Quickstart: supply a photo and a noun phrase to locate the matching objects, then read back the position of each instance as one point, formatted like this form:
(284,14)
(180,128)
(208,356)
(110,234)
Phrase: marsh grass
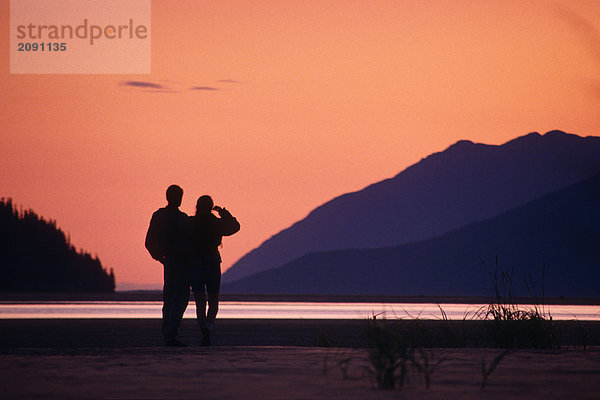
(486,370)
(426,362)
(401,350)
(342,361)
(512,325)
(389,352)
(581,334)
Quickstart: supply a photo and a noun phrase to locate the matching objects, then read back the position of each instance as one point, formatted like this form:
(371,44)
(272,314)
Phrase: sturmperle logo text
(80,37)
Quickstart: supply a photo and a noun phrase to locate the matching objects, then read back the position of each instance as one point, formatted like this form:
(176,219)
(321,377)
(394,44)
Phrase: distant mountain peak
(550,136)
(532,137)
(557,132)
(461,144)
(561,136)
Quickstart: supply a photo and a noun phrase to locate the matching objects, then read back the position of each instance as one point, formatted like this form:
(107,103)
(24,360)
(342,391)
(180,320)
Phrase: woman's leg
(213,307)
(213,287)
(199,289)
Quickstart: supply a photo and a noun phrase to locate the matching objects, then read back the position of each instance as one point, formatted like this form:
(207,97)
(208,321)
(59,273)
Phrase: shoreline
(50,335)
(143,296)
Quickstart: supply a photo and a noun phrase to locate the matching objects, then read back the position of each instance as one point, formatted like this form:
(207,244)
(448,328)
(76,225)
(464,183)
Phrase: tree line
(36,255)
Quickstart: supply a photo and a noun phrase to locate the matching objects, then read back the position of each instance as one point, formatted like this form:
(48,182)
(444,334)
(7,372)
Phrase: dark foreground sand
(266,359)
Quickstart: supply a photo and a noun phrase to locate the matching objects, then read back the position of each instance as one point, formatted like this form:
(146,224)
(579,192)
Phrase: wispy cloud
(167,86)
(161,91)
(204,88)
(142,84)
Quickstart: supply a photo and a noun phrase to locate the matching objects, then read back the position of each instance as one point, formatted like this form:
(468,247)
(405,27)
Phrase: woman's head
(204,205)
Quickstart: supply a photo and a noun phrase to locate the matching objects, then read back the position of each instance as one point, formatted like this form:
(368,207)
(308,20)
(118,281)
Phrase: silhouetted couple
(188,249)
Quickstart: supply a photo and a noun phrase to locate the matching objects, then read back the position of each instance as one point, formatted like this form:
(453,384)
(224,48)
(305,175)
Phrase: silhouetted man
(205,270)
(167,241)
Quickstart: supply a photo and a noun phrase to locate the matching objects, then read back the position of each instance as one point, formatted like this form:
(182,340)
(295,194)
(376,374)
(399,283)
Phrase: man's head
(174,195)
(204,205)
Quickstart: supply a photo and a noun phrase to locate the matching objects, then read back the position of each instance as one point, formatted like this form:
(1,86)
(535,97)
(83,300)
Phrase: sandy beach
(268,359)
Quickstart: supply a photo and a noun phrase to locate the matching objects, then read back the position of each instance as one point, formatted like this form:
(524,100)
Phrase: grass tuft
(515,326)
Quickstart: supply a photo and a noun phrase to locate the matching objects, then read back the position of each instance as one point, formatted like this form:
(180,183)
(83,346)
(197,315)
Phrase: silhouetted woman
(205,272)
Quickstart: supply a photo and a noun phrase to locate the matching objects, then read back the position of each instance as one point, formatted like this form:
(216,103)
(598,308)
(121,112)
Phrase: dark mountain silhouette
(467,182)
(35,255)
(560,230)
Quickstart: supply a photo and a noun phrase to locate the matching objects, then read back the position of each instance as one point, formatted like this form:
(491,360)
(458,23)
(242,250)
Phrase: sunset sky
(275,107)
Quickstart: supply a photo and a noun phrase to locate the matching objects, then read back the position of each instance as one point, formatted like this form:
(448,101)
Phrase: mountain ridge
(464,183)
(559,231)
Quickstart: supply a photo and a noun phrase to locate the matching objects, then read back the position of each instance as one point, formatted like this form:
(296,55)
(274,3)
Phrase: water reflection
(277,310)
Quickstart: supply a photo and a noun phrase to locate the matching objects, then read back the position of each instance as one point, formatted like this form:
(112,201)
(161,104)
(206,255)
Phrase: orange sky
(327,97)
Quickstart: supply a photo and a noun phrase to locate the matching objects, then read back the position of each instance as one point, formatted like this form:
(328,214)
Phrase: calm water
(279,310)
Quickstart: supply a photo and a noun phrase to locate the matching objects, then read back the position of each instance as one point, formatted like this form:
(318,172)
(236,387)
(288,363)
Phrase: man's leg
(167,296)
(175,296)
(180,296)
